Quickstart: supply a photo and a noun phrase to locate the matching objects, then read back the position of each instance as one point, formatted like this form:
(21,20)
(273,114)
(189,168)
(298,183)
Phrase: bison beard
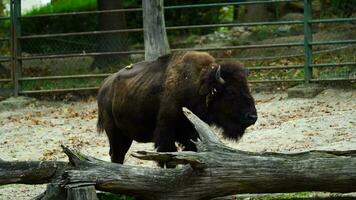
(143,102)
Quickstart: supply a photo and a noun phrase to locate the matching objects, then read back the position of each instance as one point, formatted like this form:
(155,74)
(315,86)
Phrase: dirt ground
(36,132)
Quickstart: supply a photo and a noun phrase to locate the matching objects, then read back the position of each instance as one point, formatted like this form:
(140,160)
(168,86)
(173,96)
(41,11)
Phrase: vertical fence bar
(15,12)
(12,47)
(308,37)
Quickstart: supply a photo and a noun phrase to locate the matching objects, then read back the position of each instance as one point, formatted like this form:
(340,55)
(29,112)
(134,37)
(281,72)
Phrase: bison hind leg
(119,147)
(119,144)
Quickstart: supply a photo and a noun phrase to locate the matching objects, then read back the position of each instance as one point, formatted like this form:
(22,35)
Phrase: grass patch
(60,84)
(64,6)
(349,71)
(288,196)
(110,196)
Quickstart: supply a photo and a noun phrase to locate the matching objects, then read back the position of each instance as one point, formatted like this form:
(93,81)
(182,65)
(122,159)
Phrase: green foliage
(4,23)
(65,24)
(340,8)
(263,32)
(192,16)
(59,24)
(64,6)
(242,10)
(59,84)
(349,71)
(226,14)
(88,22)
(2,8)
(285,196)
(4,31)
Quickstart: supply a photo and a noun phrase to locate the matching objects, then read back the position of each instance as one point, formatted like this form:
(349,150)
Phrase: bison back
(130,99)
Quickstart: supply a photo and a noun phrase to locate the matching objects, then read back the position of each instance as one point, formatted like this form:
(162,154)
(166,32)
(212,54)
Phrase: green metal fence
(51,70)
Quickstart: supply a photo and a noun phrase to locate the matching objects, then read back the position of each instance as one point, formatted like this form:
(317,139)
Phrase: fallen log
(215,170)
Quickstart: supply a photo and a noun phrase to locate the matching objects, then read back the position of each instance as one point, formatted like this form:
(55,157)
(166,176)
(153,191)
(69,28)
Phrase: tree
(257,13)
(110,42)
(3,4)
(155,35)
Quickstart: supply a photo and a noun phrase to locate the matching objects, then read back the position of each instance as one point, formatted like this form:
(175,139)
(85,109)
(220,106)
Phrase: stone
(285,29)
(239,29)
(292,17)
(245,35)
(304,91)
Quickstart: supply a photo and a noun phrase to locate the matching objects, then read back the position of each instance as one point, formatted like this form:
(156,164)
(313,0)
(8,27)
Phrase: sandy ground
(36,132)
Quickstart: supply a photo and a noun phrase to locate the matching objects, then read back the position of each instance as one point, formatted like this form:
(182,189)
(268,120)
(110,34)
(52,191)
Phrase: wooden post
(82,193)
(155,36)
(53,191)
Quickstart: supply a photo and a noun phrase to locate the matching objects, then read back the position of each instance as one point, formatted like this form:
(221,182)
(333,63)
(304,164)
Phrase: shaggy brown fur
(144,102)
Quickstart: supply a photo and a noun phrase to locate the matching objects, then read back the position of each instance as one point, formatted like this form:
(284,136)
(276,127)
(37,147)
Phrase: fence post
(308,37)
(15,12)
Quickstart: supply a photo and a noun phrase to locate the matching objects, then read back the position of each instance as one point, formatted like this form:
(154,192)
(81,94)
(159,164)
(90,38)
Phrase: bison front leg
(165,142)
(165,134)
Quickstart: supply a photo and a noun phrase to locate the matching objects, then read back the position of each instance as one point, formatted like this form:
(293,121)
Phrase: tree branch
(208,138)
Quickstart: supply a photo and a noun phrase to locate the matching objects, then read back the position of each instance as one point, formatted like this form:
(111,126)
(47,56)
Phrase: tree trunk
(257,13)
(4,73)
(110,42)
(215,170)
(155,36)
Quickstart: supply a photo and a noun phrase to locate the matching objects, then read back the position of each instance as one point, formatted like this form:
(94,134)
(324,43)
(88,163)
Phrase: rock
(286,29)
(304,91)
(137,57)
(297,5)
(15,103)
(245,35)
(292,17)
(239,29)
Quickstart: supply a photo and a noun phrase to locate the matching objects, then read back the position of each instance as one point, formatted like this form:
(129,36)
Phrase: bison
(143,101)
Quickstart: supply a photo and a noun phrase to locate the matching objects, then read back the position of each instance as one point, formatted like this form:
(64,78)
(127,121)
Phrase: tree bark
(110,42)
(155,36)
(215,170)
(4,73)
(82,193)
(257,13)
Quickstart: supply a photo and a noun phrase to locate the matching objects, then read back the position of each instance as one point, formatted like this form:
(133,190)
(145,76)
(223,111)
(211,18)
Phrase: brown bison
(143,102)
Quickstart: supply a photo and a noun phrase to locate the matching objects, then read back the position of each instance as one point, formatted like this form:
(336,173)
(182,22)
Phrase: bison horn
(218,76)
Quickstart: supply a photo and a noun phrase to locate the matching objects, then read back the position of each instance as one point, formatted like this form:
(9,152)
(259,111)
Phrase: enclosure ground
(326,122)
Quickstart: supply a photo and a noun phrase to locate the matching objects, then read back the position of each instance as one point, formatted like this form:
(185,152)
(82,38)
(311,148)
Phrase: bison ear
(210,78)
(206,79)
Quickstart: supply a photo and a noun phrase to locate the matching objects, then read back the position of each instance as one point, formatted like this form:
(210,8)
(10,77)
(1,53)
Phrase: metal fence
(55,67)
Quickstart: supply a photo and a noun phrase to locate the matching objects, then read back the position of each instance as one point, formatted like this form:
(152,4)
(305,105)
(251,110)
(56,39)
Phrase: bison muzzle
(144,102)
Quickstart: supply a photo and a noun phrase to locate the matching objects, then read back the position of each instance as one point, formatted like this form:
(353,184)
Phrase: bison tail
(100,124)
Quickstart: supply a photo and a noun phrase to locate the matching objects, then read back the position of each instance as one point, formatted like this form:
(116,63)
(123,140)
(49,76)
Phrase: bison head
(229,101)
